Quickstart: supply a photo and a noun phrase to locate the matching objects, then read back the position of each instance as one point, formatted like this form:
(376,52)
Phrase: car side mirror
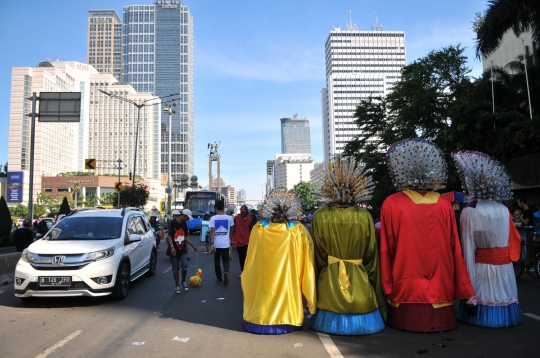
(135,237)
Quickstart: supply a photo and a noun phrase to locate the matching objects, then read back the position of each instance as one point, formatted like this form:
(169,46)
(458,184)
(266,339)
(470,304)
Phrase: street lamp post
(139,106)
(168,109)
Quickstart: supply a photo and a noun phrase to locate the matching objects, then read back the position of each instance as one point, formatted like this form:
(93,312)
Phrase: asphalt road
(146,323)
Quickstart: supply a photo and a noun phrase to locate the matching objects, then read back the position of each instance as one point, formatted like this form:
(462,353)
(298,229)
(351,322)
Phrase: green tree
(109,198)
(92,200)
(436,99)
(502,15)
(306,193)
(20,211)
(75,190)
(64,207)
(50,203)
(5,223)
(4,170)
(133,196)
(39,210)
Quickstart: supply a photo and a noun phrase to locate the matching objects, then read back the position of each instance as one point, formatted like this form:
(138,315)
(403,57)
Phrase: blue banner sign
(15,187)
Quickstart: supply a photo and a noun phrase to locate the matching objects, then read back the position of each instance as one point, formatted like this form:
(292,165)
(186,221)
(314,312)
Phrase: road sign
(118,186)
(89,164)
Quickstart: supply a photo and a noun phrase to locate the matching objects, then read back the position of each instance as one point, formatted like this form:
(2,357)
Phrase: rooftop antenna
(376,26)
(350,25)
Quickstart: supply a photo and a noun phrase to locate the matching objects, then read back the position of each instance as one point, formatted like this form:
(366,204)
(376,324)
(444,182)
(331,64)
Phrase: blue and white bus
(201,203)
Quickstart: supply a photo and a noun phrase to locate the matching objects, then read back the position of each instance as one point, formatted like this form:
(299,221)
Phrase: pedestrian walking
(177,250)
(23,236)
(221,229)
(242,230)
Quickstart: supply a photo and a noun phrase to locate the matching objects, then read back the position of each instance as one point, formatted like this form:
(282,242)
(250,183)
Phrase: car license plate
(56,281)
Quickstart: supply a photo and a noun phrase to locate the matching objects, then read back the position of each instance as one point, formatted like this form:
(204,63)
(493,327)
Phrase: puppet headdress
(416,164)
(345,182)
(483,177)
(281,205)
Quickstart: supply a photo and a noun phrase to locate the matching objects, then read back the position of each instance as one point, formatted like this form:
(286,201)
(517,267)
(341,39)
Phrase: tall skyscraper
(158,58)
(105,42)
(359,64)
(295,136)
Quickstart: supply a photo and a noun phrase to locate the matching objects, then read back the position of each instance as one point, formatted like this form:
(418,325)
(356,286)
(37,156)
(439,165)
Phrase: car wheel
(152,265)
(121,286)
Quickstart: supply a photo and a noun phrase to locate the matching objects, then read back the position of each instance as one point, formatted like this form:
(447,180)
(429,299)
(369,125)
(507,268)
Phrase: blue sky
(255,62)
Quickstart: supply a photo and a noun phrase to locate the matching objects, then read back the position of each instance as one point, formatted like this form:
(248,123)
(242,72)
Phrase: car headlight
(28,256)
(99,255)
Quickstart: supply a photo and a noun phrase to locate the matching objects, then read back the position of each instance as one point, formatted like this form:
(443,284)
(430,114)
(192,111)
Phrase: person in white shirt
(221,230)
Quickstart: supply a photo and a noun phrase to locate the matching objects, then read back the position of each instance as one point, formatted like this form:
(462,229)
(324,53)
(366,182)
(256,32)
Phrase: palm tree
(501,15)
(74,191)
(92,200)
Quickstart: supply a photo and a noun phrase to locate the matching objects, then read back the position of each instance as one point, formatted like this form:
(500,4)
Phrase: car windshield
(86,228)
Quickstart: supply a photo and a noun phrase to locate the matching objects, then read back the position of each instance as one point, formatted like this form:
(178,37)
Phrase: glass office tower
(295,136)
(158,58)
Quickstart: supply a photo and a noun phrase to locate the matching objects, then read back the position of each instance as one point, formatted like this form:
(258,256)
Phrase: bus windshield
(200,203)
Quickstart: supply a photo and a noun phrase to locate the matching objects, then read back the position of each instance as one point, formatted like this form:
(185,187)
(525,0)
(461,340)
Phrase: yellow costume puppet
(350,300)
(279,269)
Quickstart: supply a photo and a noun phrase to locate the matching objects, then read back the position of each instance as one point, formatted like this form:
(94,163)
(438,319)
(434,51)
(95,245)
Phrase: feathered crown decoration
(416,164)
(281,205)
(345,182)
(483,177)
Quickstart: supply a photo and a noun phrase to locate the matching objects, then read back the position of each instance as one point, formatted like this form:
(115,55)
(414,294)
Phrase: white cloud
(274,63)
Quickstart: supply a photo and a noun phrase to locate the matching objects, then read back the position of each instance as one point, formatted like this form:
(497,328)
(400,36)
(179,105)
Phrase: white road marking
(532,316)
(59,344)
(331,348)
(167,270)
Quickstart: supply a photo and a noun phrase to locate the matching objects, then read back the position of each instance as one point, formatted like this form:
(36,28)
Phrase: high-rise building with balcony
(158,59)
(105,30)
(106,130)
(359,64)
(295,136)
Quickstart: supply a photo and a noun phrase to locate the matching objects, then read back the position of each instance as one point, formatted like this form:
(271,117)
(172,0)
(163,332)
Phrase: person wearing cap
(177,250)
(23,236)
(240,238)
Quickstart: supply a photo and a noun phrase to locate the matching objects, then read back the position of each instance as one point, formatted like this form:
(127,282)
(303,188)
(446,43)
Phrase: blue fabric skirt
(347,324)
(271,329)
(491,316)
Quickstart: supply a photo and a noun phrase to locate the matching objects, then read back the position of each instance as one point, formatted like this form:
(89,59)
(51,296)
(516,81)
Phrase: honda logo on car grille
(58,260)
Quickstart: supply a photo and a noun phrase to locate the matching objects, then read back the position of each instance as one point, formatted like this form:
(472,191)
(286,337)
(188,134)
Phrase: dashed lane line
(59,344)
(167,270)
(331,348)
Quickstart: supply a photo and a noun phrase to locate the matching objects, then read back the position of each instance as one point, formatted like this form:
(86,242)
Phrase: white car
(91,252)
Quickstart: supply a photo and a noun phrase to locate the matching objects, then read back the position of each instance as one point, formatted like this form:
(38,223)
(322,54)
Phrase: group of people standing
(354,283)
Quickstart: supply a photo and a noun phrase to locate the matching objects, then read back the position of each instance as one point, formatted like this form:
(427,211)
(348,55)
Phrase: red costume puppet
(422,266)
